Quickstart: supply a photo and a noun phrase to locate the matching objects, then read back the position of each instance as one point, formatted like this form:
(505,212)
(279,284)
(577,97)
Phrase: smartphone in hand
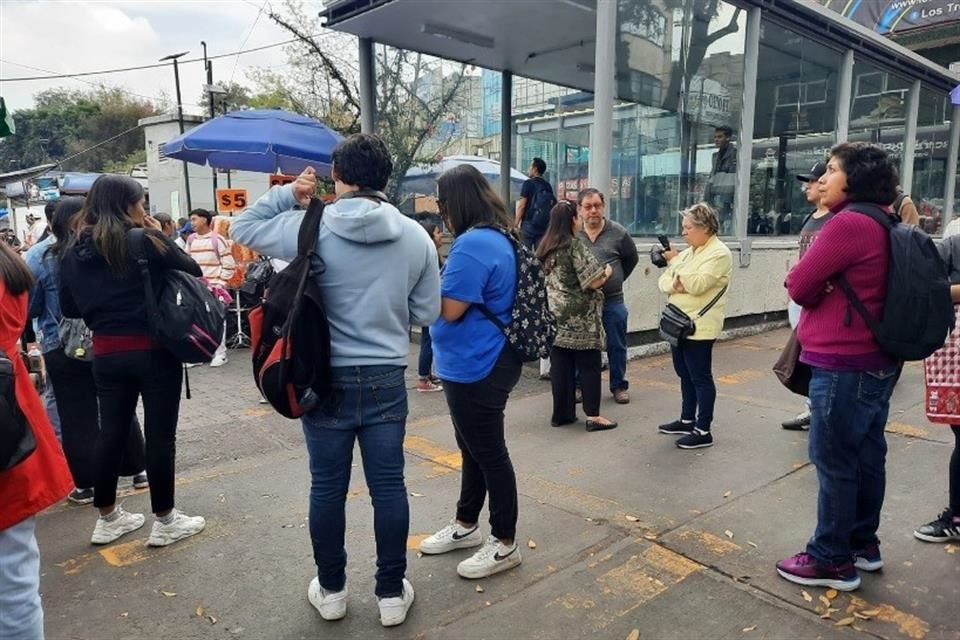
(664,241)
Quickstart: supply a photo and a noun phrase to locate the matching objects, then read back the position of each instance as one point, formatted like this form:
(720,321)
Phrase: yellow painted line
(126,553)
(739,377)
(413,541)
(443,459)
(713,543)
(909,624)
(904,429)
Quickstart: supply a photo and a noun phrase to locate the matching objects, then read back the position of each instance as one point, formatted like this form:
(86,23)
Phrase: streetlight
(176,79)
(212,92)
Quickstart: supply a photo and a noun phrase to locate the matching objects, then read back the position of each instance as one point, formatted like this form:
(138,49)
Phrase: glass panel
(794,124)
(930,159)
(878,107)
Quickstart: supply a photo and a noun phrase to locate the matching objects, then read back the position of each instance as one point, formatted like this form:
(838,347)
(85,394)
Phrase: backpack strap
(136,245)
(310,228)
(517,248)
(883,218)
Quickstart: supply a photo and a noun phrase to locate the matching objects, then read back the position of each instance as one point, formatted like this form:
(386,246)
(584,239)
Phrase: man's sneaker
(106,531)
(492,558)
(182,526)
(698,439)
(868,558)
(393,611)
(332,605)
(140,481)
(676,428)
(451,538)
(800,423)
(944,529)
(219,361)
(803,569)
(426,385)
(81,496)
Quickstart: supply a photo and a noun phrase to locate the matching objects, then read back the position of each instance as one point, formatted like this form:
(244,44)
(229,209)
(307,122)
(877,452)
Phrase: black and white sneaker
(493,557)
(81,496)
(698,439)
(450,538)
(944,529)
(676,428)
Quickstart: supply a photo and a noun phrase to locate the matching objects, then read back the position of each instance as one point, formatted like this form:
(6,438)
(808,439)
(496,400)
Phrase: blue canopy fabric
(423,178)
(264,140)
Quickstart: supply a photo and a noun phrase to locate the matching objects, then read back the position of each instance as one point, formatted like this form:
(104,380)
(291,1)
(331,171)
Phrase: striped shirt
(212,252)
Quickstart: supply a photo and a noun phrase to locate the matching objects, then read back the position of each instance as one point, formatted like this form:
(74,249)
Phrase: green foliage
(100,125)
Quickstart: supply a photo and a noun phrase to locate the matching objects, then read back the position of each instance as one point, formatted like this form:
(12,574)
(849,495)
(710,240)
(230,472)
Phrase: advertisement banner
(896,16)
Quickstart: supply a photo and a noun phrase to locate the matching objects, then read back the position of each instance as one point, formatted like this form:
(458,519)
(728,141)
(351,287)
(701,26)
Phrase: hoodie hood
(363,220)
(84,248)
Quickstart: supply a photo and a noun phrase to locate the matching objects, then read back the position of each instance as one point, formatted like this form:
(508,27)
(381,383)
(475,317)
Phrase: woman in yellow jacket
(693,278)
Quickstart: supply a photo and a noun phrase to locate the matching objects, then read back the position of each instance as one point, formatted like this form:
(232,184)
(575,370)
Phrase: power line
(249,33)
(99,144)
(139,67)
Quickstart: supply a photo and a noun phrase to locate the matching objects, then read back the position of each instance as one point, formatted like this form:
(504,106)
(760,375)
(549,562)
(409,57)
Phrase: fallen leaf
(825,600)
(632,518)
(487,603)
(832,593)
(798,465)
(728,494)
(826,616)
(416,495)
(846,622)
(200,611)
(951,548)
(633,635)
(169,594)
(753,544)
(728,533)
(531,544)
(479,589)
(806,596)
(125,615)
(861,616)
(871,612)
(750,628)
(650,536)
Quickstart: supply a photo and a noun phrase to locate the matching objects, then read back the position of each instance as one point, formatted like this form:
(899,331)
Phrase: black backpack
(289,331)
(184,317)
(918,313)
(542,202)
(532,328)
(16,436)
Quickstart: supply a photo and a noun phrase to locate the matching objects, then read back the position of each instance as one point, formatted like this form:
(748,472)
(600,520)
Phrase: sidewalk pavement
(620,531)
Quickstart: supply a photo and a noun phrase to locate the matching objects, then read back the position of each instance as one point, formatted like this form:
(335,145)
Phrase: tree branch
(733,27)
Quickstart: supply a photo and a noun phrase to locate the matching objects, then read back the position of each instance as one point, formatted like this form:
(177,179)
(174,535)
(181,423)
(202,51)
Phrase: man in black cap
(808,232)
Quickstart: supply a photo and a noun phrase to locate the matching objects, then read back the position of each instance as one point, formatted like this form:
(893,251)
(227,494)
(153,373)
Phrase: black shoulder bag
(676,325)
(16,436)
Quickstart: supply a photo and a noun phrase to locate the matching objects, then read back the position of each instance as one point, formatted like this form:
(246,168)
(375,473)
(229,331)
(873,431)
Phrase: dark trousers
(121,379)
(693,362)
(955,473)
(565,365)
(848,413)
(76,394)
(531,238)
(476,409)
(425,363)
(615,325)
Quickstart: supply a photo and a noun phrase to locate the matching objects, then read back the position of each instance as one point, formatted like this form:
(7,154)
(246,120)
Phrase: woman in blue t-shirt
(478,369)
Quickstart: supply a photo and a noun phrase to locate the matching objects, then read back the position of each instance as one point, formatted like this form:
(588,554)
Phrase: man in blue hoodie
(379,276)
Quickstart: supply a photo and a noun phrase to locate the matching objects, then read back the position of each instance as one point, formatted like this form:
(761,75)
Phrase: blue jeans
(615,325)
(848,448)
(368,404)
(531,238)
(425,364)
(693,362)
(53,412)
(21,614)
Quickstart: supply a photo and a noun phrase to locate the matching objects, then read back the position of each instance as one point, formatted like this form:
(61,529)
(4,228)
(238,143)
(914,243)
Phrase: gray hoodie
(379,274)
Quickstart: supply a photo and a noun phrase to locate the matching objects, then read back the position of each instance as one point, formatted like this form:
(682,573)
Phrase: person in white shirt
(212,252)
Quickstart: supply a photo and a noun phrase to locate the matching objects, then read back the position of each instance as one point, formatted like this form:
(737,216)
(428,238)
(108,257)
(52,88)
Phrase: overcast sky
(65,36)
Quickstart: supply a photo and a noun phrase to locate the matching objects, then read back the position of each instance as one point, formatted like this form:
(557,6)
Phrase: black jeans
(76,394)
(121,379)
(693,362)
(565,365)
(476,409)
(955,473)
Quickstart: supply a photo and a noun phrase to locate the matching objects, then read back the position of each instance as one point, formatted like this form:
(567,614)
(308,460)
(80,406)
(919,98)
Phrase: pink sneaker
(803,569)
(426,385)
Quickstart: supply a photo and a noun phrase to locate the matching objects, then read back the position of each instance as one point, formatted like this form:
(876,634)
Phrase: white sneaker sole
(471,573)
(468,542)
(164,540)
(327,611)
(839,585)
(116,535)
(400,618)
(925,538)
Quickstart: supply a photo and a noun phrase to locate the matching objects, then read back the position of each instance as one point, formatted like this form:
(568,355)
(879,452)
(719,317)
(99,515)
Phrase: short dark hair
(429,226)
(363,160)
(539,165)
(48,210)
(728,131)
(586,193)
(871,172)
(203,213)
(467,200)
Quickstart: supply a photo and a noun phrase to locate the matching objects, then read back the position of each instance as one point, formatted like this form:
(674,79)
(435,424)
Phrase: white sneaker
(331,605)
(219,361)
(450,538)
(393,611)
(183,526)
(106,532)
(492,558)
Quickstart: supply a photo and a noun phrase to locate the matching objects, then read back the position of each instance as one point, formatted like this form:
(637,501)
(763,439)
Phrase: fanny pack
(676,325)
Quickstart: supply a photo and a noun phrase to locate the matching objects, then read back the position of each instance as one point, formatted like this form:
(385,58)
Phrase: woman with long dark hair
(71,378)
(574,279)
(101,282)
(33,484)
(478,369)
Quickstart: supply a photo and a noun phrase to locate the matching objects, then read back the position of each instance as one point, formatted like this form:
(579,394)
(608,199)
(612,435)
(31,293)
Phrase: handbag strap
(713,302)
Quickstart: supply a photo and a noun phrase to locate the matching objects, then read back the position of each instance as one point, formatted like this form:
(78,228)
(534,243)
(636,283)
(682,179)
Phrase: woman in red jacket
(32,485)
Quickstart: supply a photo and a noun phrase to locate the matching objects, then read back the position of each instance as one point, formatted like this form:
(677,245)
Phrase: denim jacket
(44,297)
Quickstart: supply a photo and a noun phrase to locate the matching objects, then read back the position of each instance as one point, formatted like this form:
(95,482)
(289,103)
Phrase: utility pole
(176,79)
(211,98)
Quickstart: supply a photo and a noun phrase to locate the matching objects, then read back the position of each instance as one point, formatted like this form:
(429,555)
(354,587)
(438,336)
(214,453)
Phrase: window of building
(930,159)
(794,125)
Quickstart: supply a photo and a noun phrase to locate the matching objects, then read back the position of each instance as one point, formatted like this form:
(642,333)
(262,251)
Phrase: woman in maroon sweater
(852,378)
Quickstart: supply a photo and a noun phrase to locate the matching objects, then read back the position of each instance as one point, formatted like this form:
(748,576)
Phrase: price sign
(278,179)
(231,200)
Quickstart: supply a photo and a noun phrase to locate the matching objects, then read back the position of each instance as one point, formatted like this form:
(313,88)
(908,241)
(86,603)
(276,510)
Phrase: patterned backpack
(532,328)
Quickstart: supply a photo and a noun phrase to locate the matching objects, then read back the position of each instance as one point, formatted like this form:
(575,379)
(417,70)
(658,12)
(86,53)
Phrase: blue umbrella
(265,140)
(423,178)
